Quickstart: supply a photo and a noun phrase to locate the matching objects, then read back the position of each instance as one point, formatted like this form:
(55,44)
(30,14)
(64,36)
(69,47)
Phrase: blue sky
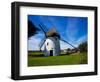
(72,29)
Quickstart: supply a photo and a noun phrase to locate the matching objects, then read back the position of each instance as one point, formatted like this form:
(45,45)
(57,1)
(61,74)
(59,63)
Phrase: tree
(83,47)
(32,29)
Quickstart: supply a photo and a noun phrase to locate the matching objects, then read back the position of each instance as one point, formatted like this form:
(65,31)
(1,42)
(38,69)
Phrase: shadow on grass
(39,55)
(42,55)
(63,54)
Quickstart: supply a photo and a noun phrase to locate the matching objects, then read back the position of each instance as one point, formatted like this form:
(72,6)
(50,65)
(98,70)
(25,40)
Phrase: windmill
(51,41)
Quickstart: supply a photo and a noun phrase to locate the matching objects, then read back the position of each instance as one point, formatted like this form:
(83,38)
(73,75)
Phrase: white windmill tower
(51,41)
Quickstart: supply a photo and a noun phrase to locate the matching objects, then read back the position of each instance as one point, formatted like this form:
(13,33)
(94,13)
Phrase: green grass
(37,59)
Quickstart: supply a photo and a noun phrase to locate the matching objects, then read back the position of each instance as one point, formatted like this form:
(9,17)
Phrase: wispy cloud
(33,43)
(82,39)
(71,29)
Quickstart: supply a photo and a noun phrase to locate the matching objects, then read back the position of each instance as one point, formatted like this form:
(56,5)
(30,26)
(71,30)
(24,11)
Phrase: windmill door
(51,52)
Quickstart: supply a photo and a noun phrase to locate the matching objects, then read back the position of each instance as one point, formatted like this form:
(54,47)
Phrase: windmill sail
(41,43)
(44,31)
(44,27)
(68,43)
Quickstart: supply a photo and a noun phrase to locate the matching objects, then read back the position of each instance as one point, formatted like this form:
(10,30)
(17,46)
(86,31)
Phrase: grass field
(37,59)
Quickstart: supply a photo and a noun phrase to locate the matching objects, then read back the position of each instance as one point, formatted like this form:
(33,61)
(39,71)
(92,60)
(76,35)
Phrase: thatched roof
(52,32)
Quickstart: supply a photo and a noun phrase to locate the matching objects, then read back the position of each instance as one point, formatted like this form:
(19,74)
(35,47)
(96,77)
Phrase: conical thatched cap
(52,32)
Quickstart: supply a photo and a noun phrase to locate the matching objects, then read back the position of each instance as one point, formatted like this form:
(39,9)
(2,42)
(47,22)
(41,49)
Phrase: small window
(47,43)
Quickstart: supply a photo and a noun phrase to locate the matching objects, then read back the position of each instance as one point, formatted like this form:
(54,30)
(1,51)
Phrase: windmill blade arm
(67,43)
(43,30)
(41,43)
(44,27)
